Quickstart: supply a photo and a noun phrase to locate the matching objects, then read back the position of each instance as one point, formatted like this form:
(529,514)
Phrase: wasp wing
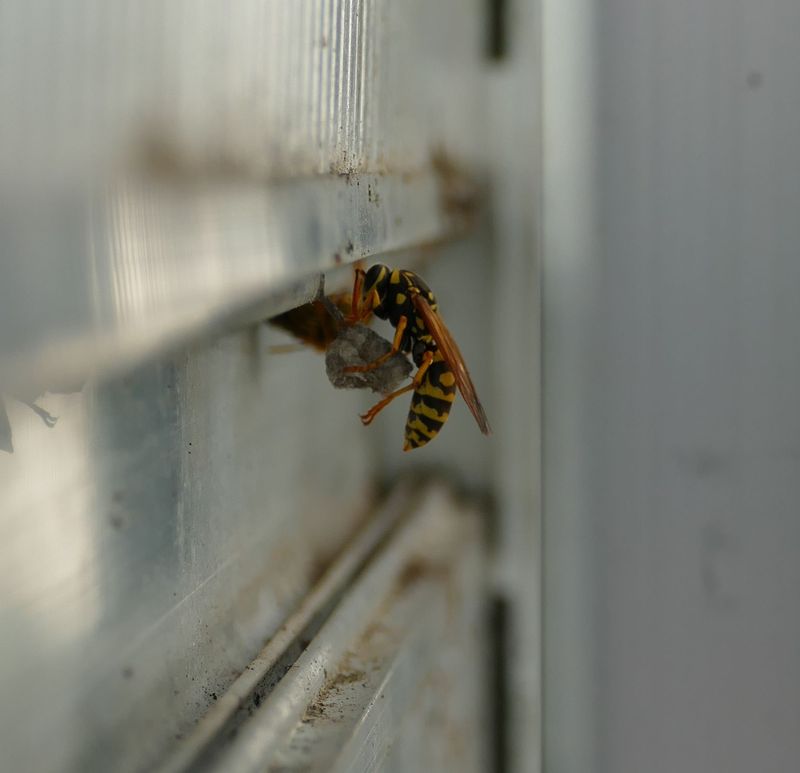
(454,359)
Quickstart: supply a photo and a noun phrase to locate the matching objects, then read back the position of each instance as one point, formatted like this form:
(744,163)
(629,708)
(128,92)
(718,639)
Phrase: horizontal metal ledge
(364,669)
(93,284)
(222,718)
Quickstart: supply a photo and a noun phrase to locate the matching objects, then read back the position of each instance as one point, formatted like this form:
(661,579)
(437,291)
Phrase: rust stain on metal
(418,569)
(459,194)
(161,156)
(348,677)
(327,695)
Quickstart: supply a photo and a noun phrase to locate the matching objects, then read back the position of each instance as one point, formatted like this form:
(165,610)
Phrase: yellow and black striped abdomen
(430,404)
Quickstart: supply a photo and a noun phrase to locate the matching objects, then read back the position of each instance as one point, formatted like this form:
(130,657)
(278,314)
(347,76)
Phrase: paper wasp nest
(359,345)
(322,325)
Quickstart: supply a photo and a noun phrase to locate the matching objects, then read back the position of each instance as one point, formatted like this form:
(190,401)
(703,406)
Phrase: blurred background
(207,563)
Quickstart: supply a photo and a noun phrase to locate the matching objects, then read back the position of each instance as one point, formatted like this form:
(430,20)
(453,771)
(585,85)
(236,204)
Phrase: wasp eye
(375,279)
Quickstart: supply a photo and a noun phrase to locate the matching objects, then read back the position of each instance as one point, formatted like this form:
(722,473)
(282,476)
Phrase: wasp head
(376,284)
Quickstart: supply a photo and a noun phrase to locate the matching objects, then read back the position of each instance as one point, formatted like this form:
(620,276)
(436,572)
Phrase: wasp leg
(45,416)
(358,285)
(357,313)
(366,418)
(398,338)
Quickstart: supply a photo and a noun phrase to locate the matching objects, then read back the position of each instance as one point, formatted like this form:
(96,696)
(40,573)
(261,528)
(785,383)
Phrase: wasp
(403,298)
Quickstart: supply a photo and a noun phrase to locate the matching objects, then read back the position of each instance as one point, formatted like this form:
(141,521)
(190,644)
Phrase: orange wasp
(405,300)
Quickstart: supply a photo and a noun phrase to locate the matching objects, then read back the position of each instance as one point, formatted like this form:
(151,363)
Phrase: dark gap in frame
(497,29)
(499,622)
